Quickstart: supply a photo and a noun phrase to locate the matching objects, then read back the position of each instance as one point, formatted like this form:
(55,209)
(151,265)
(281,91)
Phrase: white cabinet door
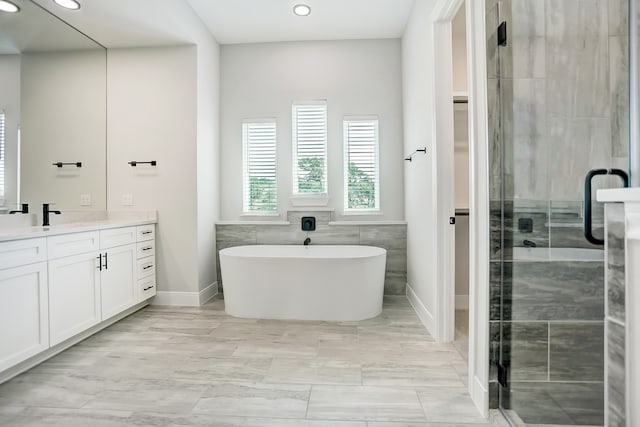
(24,321)
(118,280)
(74,295)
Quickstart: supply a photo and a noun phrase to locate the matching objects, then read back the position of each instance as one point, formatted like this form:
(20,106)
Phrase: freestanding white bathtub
(316,282)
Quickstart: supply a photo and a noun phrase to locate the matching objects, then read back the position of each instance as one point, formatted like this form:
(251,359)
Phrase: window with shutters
(259,167)
(2,153)
(309,132)
(361,165)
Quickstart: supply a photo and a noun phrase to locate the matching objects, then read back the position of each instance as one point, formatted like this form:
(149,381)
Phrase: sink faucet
(46,212)
(25,209)
(307,241)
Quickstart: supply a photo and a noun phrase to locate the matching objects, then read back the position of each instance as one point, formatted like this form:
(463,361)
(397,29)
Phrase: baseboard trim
(207,293)
(462,302)
(423,314)
(186,299)
(480,396)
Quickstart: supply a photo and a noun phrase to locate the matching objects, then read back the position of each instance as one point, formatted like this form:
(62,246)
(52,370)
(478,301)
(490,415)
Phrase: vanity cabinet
(54,289)
(74,295)
(117,271)
(146,261)
(91,286)
(24,314)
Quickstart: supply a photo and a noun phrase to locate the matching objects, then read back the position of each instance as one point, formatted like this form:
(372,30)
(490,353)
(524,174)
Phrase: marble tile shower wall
(558,106)
(390,236)
(558,95)
(552,311)
(615,316)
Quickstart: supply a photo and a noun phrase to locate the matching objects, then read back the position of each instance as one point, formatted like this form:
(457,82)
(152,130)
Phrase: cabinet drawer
(22,252)
(146,267)
(117,237)
(145,249)
(146,232)
(147,287)
(72,244)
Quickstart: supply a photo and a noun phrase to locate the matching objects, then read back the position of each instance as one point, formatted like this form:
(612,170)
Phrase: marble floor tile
(223,369)
(161,395)
(344,349)
(427,373)
(149,419)
(314,371)
(74,359)
(255,400)
(270,349)
(197,366)
(64,390)
(56,417)
(364,403)
(401,424)
(281,422)
(449,405)
(203,346)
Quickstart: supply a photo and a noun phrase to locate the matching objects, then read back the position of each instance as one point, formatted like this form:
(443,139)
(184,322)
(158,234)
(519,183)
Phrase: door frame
(479,228)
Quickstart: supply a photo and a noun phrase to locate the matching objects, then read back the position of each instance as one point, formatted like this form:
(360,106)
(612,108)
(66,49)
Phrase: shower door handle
(588,212)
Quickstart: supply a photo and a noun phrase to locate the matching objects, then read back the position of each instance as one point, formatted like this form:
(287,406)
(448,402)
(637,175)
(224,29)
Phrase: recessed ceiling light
(7,6)
(68,4)
(302,9)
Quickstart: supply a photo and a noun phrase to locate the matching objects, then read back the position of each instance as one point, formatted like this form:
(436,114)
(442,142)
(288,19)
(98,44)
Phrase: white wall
(355,77)
(63,120)
(208,157)
(420,200)
(164,106)
(152,115)
(459,41)
(10,103)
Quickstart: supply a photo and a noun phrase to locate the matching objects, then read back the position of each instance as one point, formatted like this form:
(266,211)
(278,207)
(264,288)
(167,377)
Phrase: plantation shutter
(362,175)
(310,148)
(259,168)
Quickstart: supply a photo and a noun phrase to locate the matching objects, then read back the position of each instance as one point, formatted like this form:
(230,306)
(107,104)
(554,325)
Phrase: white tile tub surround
(316,282)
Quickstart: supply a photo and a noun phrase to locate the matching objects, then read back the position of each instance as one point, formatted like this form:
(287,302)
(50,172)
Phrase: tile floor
(169,366)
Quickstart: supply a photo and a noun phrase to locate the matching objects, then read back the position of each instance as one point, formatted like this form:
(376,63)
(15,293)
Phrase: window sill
(376,212)
(260,214)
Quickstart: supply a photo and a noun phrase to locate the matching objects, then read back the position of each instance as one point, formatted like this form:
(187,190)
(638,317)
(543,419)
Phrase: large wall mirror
(53,110)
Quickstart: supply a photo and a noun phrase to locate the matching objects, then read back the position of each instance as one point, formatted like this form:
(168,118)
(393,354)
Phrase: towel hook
(418,150)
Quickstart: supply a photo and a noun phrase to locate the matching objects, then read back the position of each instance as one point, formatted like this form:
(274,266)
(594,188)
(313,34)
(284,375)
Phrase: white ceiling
(255,21)
(121,23)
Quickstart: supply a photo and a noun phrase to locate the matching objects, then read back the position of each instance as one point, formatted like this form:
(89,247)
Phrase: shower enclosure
(558,90)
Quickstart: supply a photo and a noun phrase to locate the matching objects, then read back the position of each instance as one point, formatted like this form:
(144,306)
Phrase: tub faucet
(45,214)
(307,241)
(529,243)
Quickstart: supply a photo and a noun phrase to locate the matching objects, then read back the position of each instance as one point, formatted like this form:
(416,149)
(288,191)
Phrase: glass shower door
(558,91)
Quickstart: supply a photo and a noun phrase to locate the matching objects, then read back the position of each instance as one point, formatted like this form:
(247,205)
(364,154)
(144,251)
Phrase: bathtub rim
(303,252)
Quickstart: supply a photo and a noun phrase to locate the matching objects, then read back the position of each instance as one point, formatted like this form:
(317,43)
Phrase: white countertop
(78,227)
(92,222)
(619,195)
